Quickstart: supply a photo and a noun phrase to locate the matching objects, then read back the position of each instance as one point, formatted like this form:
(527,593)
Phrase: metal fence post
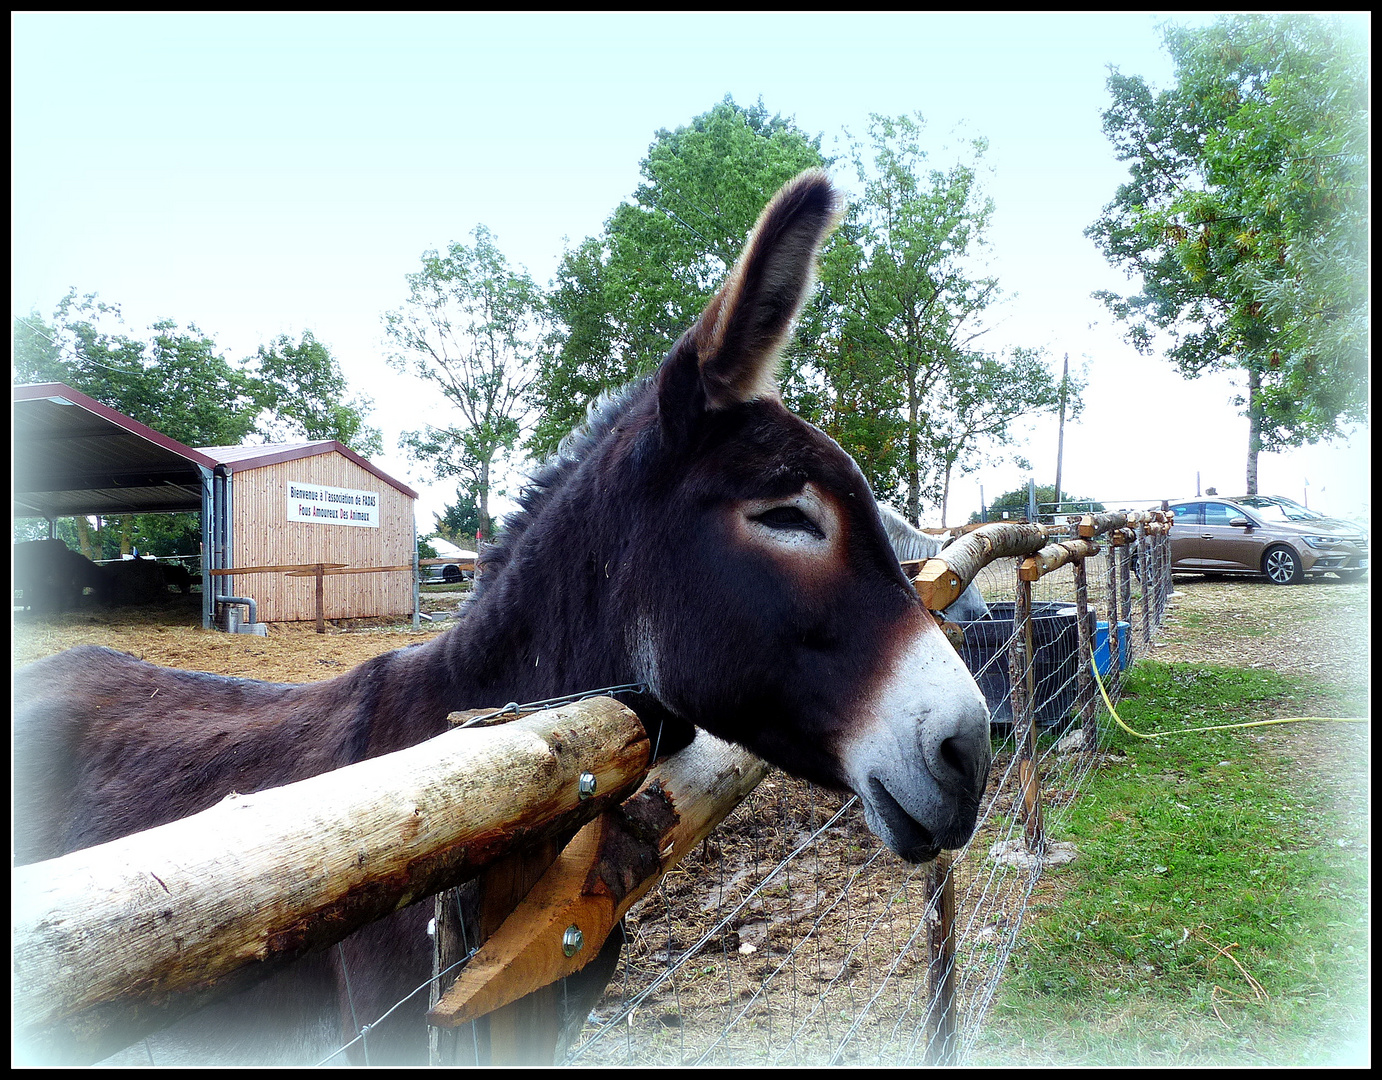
(1144,560)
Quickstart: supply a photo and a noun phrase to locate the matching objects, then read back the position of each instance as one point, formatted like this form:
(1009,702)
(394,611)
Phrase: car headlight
(1322,541)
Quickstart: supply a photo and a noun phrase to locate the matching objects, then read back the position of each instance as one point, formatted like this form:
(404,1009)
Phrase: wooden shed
(315,502)
(286,504)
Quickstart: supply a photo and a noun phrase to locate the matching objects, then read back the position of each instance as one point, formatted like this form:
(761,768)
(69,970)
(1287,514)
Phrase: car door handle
(1206,536)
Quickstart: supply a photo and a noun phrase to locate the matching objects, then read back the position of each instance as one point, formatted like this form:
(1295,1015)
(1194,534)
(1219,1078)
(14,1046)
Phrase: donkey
(910,544)
(788,627)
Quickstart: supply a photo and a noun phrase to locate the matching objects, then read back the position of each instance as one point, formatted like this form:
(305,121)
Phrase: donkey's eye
(789,518)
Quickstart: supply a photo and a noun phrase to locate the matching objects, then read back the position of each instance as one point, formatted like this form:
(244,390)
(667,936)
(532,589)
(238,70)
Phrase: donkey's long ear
(738,338)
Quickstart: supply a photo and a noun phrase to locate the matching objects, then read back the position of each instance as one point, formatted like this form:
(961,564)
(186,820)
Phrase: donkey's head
(737,555)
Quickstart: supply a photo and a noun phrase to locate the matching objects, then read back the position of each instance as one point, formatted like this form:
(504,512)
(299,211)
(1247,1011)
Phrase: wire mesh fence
(793,937)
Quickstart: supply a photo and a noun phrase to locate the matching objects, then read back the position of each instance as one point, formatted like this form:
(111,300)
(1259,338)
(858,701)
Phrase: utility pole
(1060,435)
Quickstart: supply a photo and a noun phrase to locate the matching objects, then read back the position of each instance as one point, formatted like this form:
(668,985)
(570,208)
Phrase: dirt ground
(839,935)
(171,634)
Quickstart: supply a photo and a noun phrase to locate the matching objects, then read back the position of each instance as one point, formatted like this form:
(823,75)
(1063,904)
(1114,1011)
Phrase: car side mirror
(1240,523)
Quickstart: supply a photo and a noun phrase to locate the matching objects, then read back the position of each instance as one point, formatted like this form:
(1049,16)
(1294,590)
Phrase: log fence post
(1021,678)
(1115,645)
(1125,552)
(1085,678)
(942,1044)
(114,941)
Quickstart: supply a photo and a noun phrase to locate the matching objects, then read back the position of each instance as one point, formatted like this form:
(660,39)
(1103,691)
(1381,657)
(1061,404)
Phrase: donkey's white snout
(920,762)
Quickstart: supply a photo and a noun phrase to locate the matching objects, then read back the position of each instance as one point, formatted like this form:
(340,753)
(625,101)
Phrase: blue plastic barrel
(1101,650)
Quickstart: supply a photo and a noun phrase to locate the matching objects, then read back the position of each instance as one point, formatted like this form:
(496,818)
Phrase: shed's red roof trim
(240,458)
(232,457)
(37,391)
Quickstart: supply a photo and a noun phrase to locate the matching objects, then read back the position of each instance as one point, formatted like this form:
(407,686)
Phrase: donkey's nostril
(966,766)
(952,753)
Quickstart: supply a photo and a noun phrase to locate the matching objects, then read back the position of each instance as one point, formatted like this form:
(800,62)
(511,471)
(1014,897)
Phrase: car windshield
(1275,509)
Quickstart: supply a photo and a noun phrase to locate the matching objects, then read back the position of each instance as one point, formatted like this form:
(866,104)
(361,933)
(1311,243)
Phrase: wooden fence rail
(117,940)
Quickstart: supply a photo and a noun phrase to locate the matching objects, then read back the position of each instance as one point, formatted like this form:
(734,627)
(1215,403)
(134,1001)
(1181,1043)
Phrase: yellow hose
(1217,727)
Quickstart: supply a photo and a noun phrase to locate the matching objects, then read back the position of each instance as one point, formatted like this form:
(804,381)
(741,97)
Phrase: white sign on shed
(321,505)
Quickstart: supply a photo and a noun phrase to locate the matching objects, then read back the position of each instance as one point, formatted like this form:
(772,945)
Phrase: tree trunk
(1254,427)
(945,494)
(482,500)
(84,538)
(913,468)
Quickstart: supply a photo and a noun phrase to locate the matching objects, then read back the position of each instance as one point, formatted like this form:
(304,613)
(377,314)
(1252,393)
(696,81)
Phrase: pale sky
(264,174)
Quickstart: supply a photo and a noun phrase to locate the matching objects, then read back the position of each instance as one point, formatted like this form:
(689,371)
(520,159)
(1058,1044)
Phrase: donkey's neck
(528,639)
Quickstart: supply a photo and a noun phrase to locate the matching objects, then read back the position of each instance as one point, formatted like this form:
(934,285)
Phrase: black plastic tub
(1055,640)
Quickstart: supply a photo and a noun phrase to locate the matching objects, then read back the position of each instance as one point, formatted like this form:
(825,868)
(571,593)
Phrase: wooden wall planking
(265,537)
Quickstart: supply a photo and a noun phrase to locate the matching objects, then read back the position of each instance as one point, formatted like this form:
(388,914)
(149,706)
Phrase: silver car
(1263,534)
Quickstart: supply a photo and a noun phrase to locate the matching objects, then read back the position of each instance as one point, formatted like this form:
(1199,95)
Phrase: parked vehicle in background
(1265,534)
(451,573)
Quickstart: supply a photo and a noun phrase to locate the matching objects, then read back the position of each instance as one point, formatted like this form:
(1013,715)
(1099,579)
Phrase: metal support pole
(417,587)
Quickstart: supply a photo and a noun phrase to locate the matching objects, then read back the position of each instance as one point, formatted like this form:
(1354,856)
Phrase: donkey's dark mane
(554,473)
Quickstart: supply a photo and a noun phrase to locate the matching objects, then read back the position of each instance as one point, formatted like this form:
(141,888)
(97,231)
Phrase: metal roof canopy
(73,455)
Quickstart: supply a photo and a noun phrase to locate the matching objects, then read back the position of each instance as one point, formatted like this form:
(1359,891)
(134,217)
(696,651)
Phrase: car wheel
(1282,566)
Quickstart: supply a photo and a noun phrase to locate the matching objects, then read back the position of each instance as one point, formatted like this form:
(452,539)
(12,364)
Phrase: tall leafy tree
(1245,218)
(900,382)
(470,325)
(985,394)
(179,382)
(304,392)
(620,300)
(176,381)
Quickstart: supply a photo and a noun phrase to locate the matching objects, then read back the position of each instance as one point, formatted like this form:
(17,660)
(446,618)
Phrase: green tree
(1245,218)
(175,381)
(1015,504)
(897,379)
(470,325)
(304,393)
(620,300)
(460,520)
(180,383)
(984,396)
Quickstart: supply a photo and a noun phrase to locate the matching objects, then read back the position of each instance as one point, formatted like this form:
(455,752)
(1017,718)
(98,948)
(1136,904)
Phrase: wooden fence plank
(117,940)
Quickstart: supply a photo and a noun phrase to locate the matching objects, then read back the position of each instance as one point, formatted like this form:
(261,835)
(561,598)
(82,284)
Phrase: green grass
(1192,845)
